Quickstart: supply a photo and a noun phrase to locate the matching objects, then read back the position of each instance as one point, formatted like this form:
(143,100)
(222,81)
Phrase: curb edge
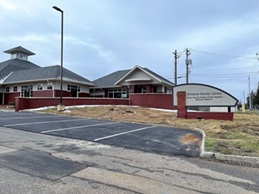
(254,161)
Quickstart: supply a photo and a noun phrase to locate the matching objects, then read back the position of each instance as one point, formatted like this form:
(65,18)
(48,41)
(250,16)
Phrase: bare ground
(238,137)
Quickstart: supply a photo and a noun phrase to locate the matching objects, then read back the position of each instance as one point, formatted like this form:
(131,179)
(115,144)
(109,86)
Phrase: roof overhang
(139,80)
(48,80)
(105,87)
(19,49)
(154,77)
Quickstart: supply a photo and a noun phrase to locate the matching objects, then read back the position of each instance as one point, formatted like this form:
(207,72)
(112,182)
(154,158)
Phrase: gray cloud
(102,36)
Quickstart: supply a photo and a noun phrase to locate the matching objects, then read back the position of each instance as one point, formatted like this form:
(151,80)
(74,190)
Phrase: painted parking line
(78,127)
(42,122)
(123,133)
(12,118)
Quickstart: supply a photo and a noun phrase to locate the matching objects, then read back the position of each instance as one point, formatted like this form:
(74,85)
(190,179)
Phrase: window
(154,89)
(68,87)
(140,89)
(117,93)
(49,86)
(40,87)
(78,88)
(7,89)
(26,91)
(23,56)
(15,88)
(14,56)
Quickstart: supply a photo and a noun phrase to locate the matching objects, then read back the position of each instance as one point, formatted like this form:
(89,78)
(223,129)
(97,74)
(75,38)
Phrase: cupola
(19,53)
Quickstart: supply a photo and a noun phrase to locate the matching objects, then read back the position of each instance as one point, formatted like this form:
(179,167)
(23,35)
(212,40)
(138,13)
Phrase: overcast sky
(103,36)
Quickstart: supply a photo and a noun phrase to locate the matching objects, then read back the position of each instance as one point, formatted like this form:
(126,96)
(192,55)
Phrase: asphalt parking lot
(149,138)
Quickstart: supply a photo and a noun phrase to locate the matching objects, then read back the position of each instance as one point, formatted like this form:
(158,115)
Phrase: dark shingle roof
(44,73)
(111,79)
(19,49)
(11,65)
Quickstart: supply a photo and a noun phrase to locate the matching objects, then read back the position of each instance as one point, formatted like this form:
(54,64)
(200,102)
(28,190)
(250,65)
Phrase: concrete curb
(246,160)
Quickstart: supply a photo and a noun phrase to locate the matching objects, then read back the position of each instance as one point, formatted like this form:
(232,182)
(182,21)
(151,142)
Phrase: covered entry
(74,90)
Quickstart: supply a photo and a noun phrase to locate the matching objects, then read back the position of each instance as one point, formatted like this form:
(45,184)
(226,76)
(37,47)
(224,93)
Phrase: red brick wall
(152,100)
(27,103)
(211,115)
(68,94)
(43,93)
(21,103)
(146,100)
(64,93)
(10,97)
(83,95)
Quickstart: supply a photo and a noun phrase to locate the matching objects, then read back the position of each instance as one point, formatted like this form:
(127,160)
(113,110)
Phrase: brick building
(21,78)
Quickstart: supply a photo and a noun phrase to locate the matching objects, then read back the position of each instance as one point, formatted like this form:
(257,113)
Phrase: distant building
(21,78)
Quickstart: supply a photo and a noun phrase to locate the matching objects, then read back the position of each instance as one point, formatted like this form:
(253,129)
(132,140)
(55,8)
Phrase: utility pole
(244,99)
(176,56)
(249,92)
(188,62)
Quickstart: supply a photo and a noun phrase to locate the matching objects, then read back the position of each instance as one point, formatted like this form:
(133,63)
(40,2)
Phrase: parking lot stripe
(123,133)
(42,122)
(12,118)
(83,126)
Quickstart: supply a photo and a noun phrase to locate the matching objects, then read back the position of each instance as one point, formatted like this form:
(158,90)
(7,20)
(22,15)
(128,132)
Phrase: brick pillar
(149,88)
(181,105)
(21,103)
(132,87)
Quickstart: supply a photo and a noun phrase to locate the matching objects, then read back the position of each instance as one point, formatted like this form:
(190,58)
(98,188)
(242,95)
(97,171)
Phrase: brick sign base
(183,113)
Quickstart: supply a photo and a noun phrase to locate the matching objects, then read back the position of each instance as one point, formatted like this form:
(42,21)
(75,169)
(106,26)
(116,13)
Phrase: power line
(223,75)
(225,55)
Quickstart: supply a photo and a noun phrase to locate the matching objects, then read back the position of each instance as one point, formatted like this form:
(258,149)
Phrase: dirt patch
(189,138)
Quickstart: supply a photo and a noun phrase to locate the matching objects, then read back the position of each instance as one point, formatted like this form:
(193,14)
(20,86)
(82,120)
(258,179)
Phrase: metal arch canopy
(204,95)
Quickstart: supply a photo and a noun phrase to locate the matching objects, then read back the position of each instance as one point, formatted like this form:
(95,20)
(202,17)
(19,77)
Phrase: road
(40,163)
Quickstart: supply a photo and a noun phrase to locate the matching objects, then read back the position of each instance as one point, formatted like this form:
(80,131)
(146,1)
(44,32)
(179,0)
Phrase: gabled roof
(11,65)
(44,73)
(149,72)
(19,49)
(159,76)
(111,79)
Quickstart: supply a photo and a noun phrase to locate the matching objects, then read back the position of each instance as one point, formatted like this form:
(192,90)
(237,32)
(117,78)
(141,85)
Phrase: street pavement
(42,163)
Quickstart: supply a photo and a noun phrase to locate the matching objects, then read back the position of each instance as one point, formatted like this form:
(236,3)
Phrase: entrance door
(73,91)
(26,91)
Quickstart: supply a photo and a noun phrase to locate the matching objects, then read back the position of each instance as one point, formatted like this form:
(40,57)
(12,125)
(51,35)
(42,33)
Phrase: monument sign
(200,95)
(204,95)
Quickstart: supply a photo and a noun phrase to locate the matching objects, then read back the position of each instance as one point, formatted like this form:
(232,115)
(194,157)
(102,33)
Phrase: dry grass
(240,136)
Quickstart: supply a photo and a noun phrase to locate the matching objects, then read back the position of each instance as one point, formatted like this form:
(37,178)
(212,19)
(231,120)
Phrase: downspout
(129,94)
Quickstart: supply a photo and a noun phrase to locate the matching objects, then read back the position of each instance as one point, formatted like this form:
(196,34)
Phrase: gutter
(51,79)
